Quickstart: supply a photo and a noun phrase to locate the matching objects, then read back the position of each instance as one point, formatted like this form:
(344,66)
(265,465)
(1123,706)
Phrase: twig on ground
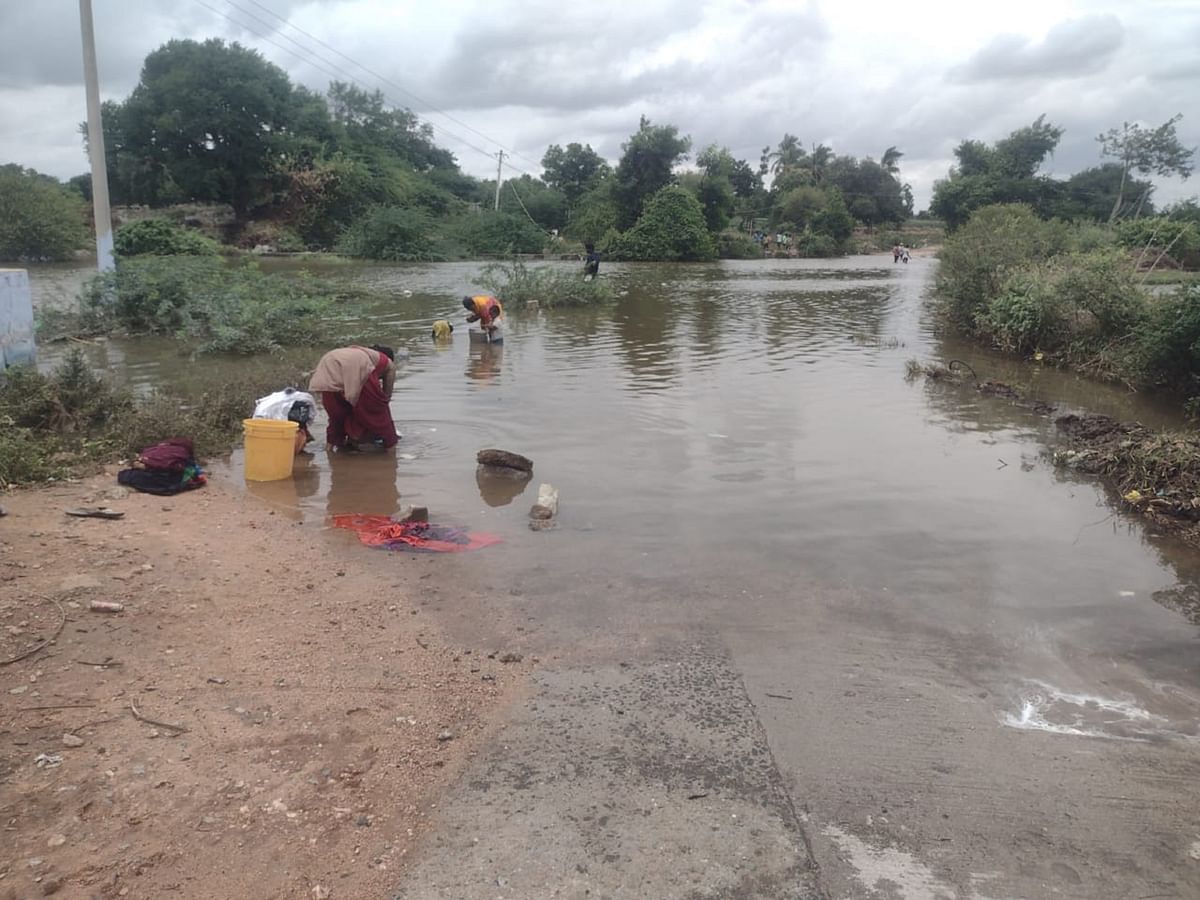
(57,706)
(780,697)
(41,644)
(138,715)
(102,665)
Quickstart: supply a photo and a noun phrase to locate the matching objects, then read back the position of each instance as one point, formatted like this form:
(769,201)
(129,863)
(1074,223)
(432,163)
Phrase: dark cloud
(1069,50)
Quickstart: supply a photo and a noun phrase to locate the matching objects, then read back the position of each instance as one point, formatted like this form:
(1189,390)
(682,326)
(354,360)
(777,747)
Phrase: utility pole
(499,166)
(101,213)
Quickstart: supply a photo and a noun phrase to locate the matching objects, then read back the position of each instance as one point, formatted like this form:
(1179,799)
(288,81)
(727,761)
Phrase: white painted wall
(16,318)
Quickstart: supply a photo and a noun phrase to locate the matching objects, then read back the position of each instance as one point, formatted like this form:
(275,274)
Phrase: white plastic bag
(279,404)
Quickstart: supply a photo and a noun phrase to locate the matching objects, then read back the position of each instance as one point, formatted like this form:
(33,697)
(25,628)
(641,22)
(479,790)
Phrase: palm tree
(789,155)
(821,156)
(891,160)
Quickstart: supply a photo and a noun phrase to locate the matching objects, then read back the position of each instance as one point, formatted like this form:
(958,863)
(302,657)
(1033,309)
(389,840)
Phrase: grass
(519,286)
(73,419)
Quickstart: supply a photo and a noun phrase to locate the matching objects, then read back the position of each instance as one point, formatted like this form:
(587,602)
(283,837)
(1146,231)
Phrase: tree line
(215,123)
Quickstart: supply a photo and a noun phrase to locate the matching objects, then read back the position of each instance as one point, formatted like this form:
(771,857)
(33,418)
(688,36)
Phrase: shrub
(390,233)
(499,234)
(671,228)
(1179,239)
(161,237)
(979,258)
(220,308)
(518,285)
(734,245)
(1168,339)
(72,417)
(1026,315)
(39,218)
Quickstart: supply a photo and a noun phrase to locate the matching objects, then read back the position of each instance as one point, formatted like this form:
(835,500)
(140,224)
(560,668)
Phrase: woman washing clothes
(355,384)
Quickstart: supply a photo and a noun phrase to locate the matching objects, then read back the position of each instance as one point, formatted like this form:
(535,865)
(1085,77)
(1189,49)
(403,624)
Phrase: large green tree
(1005,172)
(574,171)
(39,218)
(649,157)
(207,121)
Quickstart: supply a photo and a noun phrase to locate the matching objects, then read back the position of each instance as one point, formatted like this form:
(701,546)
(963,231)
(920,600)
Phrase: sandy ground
(323,708)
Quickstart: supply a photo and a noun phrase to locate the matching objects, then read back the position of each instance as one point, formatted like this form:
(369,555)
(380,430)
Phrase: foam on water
(1047,708)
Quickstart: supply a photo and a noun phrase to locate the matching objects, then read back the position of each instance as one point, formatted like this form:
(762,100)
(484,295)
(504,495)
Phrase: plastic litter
(47,760)
(288,405)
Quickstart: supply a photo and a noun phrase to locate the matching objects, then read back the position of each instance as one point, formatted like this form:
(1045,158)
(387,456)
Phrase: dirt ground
(306,709)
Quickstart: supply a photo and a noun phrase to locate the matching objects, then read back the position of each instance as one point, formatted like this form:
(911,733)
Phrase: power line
(308,57)
(394,84)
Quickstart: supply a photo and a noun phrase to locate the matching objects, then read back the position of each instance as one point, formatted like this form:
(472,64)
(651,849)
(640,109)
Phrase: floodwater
(731,441)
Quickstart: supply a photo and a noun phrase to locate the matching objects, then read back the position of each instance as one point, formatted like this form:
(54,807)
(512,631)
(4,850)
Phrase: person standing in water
(355,384)
(591,263)
(487,311)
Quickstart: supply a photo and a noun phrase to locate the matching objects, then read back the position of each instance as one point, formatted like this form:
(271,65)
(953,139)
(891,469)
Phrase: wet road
(887,648)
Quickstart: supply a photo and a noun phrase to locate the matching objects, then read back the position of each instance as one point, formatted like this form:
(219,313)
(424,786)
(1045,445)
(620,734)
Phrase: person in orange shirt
(487,311)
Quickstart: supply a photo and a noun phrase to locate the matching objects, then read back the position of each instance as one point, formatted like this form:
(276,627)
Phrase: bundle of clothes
(169,467)
(289,405)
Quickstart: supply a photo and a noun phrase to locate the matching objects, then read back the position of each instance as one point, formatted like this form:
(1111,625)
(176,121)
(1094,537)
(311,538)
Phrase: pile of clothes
(421,537)
(289,405)
(167,468)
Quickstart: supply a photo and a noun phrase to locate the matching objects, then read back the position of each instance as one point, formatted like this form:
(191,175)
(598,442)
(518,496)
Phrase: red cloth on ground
(380,531)
(371,417)
(172,455)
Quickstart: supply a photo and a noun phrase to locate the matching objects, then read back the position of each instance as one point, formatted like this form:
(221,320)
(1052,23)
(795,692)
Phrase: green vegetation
(519,286)
(1071,293)
(74,418)
(671,228)
(201,300)
(1007,172)
(39,218)
(161,237)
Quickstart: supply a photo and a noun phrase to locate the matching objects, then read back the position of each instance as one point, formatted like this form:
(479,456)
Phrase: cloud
(527,73)
(1069,50)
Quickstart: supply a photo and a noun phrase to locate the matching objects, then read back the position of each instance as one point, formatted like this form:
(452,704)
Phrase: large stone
(504,459)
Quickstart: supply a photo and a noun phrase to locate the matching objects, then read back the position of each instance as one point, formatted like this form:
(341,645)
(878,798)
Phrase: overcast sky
(858,76)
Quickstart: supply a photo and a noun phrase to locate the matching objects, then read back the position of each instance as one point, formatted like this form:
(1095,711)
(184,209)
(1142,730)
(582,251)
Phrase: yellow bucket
(270,449)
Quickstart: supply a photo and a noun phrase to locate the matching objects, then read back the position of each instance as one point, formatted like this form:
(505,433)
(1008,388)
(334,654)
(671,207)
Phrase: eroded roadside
(309,708)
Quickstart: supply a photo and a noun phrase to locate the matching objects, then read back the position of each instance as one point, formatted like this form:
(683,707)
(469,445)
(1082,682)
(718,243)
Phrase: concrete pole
(102,214)
(499,176)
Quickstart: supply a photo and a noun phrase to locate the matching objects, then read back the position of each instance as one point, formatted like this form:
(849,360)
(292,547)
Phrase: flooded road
(865,618)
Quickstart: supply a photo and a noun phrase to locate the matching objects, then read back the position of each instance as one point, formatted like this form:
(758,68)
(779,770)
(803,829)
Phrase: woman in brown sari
(355,384)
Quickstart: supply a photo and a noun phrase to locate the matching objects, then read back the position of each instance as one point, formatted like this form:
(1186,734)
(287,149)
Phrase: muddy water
(741,423)
(924,612)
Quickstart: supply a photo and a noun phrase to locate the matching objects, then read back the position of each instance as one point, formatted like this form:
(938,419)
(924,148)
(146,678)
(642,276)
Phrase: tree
(39,218)
(891,160)
(788,155)
(1090,194)
(533,198)
(672,228)
(573,171)
(369,124)
(1146,151)
(645,168)
(1005,172)
(874,195)
(211,119)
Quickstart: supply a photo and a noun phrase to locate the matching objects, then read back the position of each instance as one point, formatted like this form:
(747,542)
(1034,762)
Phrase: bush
(220,308)
(39,218)
(519,286)
(1158,234)
(390,233)
(735,245)
(671,229)
(995,243)
(73,417)
(161,237)
(499,234)
(1168,340)
(1027,315)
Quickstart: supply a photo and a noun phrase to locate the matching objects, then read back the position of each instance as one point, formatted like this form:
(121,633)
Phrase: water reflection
(498,488)
(483,362)
(363,482)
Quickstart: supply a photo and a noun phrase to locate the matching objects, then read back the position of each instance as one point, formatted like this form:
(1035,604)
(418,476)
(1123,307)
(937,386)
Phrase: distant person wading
(355,384)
